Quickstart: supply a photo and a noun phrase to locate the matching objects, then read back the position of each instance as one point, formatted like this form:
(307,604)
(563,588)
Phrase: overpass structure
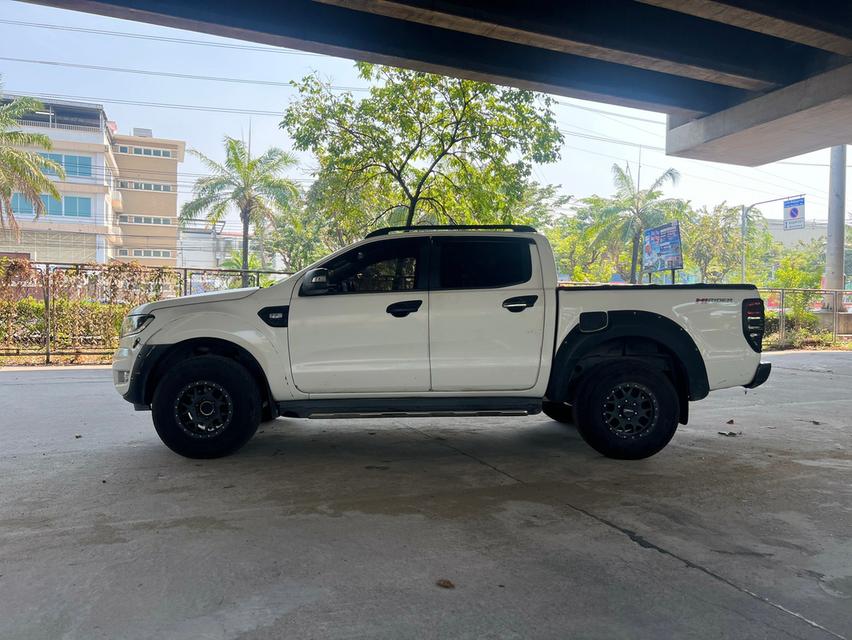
(742,81)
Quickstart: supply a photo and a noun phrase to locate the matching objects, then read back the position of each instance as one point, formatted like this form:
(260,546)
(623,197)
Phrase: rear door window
(482,263)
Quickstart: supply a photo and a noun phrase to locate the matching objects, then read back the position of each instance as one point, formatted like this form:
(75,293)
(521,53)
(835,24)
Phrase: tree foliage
(436,148)
(622,218)
(254,186)
(713,242)
(23,171)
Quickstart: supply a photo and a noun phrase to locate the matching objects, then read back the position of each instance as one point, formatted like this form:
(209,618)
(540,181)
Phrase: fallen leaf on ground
(445,584)
(731,421)
(729,434)
(77,436)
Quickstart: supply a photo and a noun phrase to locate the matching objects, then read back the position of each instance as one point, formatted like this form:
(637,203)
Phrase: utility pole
(834,276)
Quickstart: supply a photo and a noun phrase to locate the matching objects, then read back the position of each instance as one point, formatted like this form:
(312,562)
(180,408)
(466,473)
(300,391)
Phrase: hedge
(75,324)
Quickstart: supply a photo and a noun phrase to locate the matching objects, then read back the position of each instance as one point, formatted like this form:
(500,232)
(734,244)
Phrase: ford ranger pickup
(436,321)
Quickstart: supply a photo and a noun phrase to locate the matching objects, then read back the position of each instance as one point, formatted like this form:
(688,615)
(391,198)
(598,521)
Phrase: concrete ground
(341,529)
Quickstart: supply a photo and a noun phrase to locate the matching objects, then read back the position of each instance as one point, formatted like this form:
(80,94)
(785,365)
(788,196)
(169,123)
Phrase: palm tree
(624,217)
(253,186)
(23,171)
(234,262)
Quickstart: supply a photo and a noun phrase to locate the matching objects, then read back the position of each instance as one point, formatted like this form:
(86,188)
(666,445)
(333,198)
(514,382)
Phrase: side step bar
(409,407)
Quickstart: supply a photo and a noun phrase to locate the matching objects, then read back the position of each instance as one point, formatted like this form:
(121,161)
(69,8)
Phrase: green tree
(254,186)
(712,242)
(620,220)
(22,171)
(801,267)
(577,256)
(235,262)
(437,146)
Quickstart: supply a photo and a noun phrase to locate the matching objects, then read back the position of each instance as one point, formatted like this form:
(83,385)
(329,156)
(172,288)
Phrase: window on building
(20,204)
(123,149)
(52,206)
(147,152)
(137,151)
(167,153)
(56,157)
(144,186)
(123,252)
(80,166)
(78,207)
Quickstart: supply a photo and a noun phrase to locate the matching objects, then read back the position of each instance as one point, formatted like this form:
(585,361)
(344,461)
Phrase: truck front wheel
(626,411)
(206,407)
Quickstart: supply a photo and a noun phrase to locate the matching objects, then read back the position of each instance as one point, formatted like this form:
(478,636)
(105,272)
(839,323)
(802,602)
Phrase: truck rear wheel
(626,411)
(558,411)
(206,407)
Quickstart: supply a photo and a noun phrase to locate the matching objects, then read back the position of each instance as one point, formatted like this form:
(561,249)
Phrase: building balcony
(117,201)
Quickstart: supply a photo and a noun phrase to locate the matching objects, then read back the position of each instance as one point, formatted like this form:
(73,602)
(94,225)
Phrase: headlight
(134,323)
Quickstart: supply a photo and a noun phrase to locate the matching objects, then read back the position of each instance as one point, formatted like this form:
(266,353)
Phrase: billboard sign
(794,213)
(662,249)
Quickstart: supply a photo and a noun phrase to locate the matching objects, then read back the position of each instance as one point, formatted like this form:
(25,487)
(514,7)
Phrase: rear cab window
(481,263)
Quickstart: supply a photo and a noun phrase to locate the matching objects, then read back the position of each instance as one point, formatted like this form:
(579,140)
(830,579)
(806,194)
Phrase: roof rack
(523,228)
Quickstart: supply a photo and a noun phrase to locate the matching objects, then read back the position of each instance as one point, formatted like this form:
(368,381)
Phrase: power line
(609,113)
(140,36)
(166,74)
(162,105)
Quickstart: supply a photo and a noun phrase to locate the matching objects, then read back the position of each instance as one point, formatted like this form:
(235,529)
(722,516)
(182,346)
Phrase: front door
(370,332)
(486,314)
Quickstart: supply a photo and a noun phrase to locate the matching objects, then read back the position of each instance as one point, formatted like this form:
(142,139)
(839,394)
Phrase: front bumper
(760,376)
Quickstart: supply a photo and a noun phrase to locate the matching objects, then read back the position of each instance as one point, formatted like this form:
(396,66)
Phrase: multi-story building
(205,246)
(813,230)
(147,182)
(80,226)
(118,199)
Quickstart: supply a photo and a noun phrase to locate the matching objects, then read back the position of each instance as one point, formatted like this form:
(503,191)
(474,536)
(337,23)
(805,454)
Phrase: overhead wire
(174,40)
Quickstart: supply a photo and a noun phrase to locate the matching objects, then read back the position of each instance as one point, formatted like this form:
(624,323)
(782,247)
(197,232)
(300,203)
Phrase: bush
(794,320)
(75,324)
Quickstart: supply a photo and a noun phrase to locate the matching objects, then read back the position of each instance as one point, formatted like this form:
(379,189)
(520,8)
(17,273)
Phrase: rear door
(486,313)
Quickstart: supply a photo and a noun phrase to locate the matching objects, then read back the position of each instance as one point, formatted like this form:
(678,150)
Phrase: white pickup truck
(439,321)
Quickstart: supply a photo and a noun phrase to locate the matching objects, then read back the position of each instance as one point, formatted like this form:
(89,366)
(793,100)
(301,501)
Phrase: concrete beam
(769,19)
(669,42)
(812,114)
(338,31)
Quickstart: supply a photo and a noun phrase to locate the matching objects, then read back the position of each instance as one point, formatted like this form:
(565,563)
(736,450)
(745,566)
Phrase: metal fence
(49,309)
(807,311)
(75,310)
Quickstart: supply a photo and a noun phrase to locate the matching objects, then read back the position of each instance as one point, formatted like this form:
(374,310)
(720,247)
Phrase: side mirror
(315,282)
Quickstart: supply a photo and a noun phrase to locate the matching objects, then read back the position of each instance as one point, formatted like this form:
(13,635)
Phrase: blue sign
(662,249)
(794,213)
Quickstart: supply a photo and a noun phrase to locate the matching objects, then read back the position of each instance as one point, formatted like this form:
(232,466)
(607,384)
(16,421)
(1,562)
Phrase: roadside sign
(662,249)
(794,213)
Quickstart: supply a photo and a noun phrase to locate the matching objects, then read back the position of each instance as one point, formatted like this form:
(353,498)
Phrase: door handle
(518,304)
(402,309)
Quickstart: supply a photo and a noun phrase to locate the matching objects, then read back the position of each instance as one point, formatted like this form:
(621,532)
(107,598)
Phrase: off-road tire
(206,407)
(626,411)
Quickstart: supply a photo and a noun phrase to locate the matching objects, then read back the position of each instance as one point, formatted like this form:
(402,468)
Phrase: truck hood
(199,298)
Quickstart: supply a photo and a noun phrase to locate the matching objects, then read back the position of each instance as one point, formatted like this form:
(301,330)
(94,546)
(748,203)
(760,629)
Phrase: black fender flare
(586,336)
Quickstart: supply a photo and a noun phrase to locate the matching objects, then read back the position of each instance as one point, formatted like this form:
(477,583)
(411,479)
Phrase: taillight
(754,323)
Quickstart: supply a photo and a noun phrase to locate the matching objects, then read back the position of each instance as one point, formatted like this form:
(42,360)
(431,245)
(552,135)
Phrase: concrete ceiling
(743,81)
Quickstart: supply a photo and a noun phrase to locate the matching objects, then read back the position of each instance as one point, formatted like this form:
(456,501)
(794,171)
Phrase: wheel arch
(160,358)
(637,335)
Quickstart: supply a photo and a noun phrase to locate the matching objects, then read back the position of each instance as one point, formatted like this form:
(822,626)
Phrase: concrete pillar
(834,277)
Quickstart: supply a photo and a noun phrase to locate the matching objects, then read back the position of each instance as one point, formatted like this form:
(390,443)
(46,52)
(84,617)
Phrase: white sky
(583,170)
